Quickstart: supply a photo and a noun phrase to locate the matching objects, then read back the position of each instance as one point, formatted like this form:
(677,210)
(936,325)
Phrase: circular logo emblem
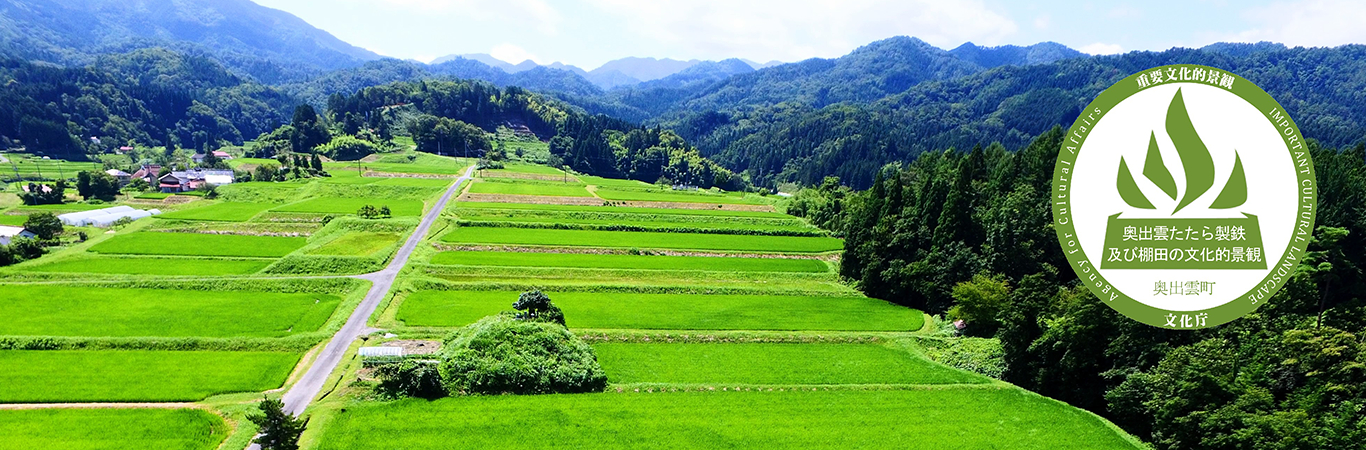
(1184,196)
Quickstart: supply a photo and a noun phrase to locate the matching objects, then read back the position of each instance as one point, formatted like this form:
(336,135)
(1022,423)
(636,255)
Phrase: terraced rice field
(362,243)
(640,195)
(336,205)
(69,310)
(26,376)
(196,244)
(99,429)
(890,419)
(617,310)
(153,266)
(617,261)
(458,206)
(640,239)
(530,188)
(226,211)
(800,364)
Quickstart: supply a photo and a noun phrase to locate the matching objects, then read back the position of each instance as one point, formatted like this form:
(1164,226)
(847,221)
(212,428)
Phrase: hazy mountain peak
(267,43)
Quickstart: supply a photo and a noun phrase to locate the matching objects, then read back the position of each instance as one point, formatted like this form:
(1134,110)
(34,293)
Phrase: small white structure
(104,217)
(371,356)
(381,352)
(78,218)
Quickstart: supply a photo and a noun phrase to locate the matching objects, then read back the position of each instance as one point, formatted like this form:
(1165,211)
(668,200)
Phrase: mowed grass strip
(338,205)
(618,209)
(839,419)
(641,239)
(26,376)
(618,310)
(197,244)
(154,266)
(812,363)
(99,429)
(361,243)
(647,262)
(226,211)
(55,310)
(530,188)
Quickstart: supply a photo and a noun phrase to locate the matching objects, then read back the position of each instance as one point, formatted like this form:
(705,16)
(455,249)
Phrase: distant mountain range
(269,45)
(883,102)
(615,73)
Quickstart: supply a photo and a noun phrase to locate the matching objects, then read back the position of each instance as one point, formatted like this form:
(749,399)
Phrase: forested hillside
(968,235)
(269,45)
(802,140)
(145,97)
(593,144)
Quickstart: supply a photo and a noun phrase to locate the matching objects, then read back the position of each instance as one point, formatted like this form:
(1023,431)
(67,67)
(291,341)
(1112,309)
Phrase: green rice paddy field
(153,266)
(55,310)
(226,211)
(98,429)
(26,376)
(801,364)
(617,209)
(641,239)
(523,187)
(836,419)
(616,310)
(642,195)
(336,205)
(655,221)
(528,168)
(362,243)
(609,261)
(197,244)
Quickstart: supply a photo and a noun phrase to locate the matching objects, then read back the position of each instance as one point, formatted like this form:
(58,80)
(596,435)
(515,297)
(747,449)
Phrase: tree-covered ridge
(593,144)
(145,97)
(802,140)
(968,235)
(269,45)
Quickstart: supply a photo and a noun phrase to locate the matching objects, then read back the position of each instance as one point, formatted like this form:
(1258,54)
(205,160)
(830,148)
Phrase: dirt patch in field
(415,347)
(524,176)
(179,199)
(594,201)
(618,251)
(373,174)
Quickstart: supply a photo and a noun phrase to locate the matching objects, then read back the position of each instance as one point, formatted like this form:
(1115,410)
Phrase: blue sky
(588,33)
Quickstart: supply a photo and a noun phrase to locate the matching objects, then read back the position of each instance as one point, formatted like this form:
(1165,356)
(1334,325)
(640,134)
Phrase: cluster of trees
(455,117)
(968,234)
(529,352)
(303,133)
(146,97)
(44,194)
(291,167)
(97,185)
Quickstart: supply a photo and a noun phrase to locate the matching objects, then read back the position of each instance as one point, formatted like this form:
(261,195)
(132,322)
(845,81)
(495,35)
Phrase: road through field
(312,381)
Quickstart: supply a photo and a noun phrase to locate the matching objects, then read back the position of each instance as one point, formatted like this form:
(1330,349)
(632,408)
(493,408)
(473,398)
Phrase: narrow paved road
(311,383)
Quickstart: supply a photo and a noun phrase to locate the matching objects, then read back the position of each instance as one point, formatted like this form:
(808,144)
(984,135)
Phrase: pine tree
(277,429)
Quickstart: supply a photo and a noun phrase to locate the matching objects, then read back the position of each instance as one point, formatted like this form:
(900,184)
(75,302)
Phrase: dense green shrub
(409,378)
(500,354)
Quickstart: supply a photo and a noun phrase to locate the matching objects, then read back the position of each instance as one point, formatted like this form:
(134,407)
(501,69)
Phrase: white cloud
(512,54)
(1101,48)
(1043,22)
(1308,23)
(798,29)
(534,14)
